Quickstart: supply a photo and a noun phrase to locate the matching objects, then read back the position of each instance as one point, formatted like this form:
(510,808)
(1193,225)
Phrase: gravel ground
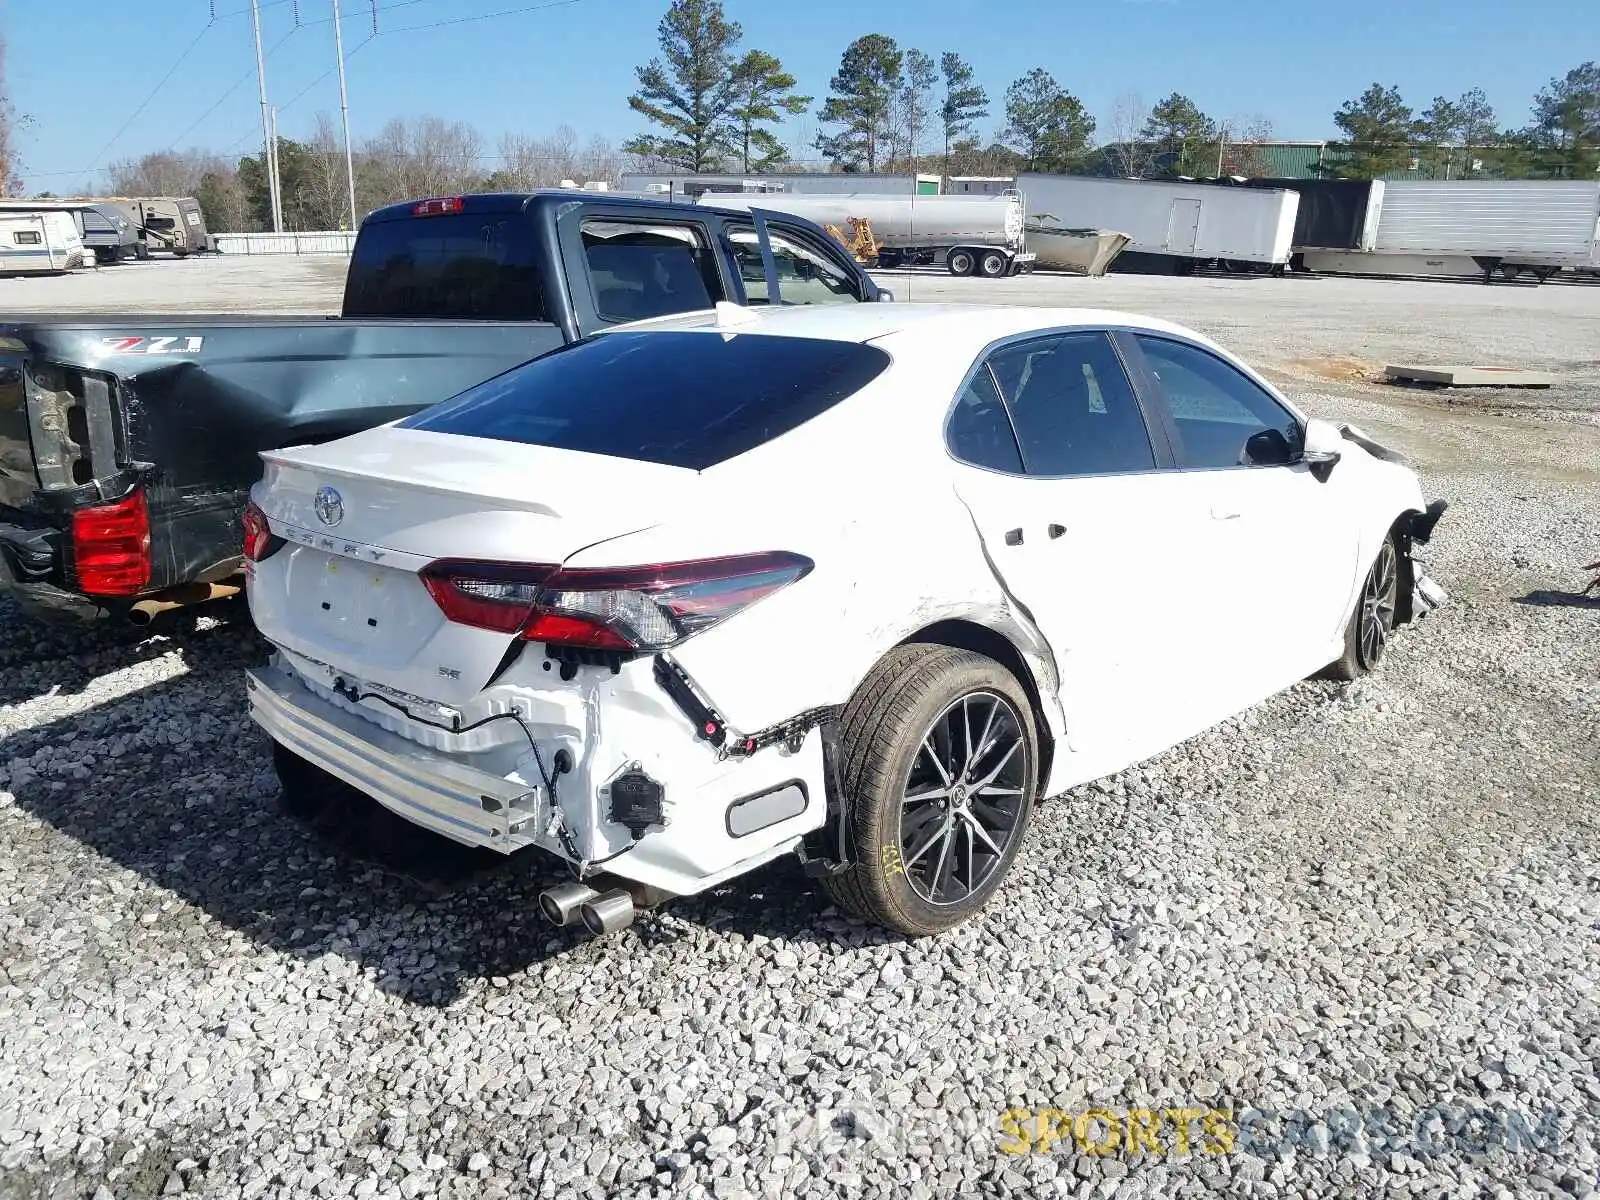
(1380,899)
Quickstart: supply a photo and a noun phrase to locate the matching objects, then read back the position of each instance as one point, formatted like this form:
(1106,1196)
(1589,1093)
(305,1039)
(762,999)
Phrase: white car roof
(969,325)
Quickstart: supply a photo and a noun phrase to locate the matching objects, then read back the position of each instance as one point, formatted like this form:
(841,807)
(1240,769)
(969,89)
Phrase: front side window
(26,237)
(680,398)
(649,269)
(805,274)
(1223,418)
(1072,406)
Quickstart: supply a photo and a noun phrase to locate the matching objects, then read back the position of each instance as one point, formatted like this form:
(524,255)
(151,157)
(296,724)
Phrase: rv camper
(39,243)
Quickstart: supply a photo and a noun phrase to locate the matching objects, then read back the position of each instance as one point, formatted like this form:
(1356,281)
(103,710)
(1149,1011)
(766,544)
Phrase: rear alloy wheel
(1366,637)
(992,264)
(960,262)
(940,772)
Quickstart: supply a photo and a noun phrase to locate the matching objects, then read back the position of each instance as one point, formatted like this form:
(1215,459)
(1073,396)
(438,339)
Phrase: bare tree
(323,202)
(1130,153)
(10,125)
(425,157)
(1240,149)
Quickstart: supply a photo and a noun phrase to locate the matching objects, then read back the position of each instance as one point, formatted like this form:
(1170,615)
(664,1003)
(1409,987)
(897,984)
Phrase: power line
(508,12)
(234,87)
(143,104)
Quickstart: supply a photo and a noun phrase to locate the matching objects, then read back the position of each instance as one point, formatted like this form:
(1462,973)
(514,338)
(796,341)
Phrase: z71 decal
(151,345)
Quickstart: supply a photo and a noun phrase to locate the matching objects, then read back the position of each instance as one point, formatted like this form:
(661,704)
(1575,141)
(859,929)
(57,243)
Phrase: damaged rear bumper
(605,773)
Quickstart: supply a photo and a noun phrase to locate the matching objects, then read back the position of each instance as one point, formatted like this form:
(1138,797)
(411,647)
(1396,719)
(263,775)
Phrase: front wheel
(1366,637)
(940,773)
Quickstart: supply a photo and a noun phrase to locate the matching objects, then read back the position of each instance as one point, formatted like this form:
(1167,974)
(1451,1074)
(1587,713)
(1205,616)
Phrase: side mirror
(1269,448)
(1324,446)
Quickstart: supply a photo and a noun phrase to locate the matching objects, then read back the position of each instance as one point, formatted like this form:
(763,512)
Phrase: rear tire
(960,262)
(992,265)
(1366,634)
(940,768)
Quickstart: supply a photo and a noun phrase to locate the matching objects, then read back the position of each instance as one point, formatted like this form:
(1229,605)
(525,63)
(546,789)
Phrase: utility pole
(276,178)
(1222,147)
(269,150)
(344,113)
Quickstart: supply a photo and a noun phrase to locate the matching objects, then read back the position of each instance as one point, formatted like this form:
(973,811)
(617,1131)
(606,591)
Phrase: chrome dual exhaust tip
(600,912)
(560,904)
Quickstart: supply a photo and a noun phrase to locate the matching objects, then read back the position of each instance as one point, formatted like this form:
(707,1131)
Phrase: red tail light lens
(438,206)
(111,547)
(259,540)
(625,608)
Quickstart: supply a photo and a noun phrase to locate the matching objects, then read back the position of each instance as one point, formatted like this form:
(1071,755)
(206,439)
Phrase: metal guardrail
(334,242)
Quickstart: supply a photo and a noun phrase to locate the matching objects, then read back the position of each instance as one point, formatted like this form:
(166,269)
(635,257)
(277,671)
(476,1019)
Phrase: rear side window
(684,399)
(649,269)
(456,265)
(1073,408)
(26,237)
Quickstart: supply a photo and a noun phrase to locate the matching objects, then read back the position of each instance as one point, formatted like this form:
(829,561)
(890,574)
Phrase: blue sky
(572,62)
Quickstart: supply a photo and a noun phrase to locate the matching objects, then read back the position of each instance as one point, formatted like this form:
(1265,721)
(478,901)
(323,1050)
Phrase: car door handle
(1014,537)
(1055,530)
(1221,512)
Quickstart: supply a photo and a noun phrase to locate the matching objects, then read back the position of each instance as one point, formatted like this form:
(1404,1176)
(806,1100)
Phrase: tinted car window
(980,431)
(805,274)
(456,265)
(685,399)
(1224,419)
(649,270)
(1072,406)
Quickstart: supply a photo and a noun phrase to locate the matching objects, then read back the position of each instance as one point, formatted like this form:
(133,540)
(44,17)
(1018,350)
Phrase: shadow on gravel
(1545,598)
(72,655)
(191,805)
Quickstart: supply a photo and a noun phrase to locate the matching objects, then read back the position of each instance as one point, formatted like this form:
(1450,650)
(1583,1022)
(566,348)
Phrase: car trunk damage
(399,671)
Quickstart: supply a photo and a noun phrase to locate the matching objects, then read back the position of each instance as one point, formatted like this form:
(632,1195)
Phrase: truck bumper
(28,563)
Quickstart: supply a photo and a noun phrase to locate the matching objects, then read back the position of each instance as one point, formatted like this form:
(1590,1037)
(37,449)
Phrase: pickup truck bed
(128,445)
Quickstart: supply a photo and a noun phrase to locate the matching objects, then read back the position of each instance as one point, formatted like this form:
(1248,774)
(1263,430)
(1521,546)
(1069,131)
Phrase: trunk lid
(363,516)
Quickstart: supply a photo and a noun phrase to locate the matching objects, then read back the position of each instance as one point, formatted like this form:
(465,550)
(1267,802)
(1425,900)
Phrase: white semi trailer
(1469,227)
(969,235)
(1171,224)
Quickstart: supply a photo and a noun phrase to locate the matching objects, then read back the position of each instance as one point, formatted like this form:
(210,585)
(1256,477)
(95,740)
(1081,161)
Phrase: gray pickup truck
(128,445)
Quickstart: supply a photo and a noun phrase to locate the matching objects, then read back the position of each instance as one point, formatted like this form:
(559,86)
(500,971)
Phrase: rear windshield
(684,399)
(457,265)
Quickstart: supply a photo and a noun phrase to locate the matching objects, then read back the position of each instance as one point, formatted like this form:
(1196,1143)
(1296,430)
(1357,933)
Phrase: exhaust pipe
(560,903)
(182,596)
(607,913)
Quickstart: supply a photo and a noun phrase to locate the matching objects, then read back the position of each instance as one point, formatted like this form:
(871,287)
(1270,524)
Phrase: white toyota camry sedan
(860,584)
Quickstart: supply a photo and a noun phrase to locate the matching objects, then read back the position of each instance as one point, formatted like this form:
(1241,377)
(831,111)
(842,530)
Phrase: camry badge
(328,505)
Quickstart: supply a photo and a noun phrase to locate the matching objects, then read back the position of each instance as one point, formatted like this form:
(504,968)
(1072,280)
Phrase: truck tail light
(628,609)
(111,547)
(259,540)
(438,206)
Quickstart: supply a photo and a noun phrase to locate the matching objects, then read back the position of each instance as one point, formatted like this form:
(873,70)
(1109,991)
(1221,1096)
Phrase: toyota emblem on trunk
(328,505)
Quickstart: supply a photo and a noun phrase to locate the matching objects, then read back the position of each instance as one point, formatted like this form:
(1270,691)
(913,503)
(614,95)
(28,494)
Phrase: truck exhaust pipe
(560,904)
(182,596)
(608,912)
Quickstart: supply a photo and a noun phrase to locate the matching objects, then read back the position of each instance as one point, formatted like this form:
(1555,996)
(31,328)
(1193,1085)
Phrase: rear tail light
(111,547)
(438,206)
(259,540)
(625,609)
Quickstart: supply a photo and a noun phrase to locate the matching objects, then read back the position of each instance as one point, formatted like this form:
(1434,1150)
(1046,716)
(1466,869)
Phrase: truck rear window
(446,266)
(683,399)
